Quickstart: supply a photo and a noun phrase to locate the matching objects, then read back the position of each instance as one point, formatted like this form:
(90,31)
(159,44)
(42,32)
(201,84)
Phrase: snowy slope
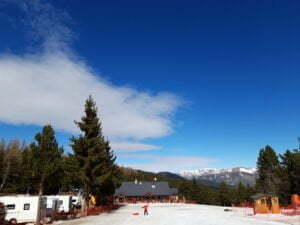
(231,176)
(172,214)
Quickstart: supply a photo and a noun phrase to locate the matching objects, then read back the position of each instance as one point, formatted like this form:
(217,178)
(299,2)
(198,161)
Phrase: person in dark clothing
(145,210)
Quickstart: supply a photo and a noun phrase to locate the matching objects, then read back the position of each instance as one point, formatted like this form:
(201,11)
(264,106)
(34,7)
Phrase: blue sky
(179,85)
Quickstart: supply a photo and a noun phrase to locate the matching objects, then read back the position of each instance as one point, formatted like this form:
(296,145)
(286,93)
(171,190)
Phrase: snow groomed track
(171,214)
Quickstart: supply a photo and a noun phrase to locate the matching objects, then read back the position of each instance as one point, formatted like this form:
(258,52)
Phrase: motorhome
(64,203)
(2,213)
(59,203)
(23,208)
(77,201)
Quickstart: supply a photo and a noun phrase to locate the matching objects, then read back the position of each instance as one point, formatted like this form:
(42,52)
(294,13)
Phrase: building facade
(146,192)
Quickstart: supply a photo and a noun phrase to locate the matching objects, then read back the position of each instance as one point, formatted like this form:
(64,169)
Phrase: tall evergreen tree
(46,159)
(71,179)
(240,194)
(111,179)
(2,156)
(290,174)
(93,154)
(268,171)
(224,195)
(29,180)
(10,155)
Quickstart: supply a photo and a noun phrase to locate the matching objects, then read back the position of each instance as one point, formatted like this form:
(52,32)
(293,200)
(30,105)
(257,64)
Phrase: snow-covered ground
(178,214)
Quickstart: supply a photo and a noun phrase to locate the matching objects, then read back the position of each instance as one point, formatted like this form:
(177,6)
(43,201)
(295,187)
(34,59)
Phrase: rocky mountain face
(230,176)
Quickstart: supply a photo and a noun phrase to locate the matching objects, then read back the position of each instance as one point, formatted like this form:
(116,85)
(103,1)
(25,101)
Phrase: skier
(145,210)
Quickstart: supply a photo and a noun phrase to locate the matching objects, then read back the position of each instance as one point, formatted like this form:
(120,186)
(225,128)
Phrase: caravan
(59,203)
(64,203)
(22,208)
(2,213)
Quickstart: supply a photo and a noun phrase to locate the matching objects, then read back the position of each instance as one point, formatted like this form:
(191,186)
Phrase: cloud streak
(51,85)
(156,163)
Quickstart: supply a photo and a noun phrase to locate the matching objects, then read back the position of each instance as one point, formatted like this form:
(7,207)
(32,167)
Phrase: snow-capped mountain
(231,176)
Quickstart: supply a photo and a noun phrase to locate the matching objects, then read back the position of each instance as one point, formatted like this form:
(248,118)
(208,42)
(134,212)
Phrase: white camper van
(77,201)
(59,203)
(64,203)
(22,208)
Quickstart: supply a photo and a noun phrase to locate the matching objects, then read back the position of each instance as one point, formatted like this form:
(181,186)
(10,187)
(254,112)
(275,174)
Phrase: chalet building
(264,203)
(146,191)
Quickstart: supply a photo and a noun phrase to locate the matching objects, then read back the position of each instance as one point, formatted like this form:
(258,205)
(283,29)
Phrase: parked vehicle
(60,203)
(2,213)
(64,203)
(23,208)
(77,201)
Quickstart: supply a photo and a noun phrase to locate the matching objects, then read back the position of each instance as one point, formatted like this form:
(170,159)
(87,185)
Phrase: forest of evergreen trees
(42,167)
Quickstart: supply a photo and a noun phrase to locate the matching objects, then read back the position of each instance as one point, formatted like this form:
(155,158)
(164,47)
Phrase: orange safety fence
(244,209)
(101,209)
(290,210)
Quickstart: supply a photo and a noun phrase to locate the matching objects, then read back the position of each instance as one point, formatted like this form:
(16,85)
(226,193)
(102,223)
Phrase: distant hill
(129,174)
(230,176)
(170,175)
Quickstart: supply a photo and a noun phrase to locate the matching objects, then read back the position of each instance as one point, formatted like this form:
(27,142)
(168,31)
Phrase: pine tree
(111,179)
(268,171)
(71,180)
(11,166)
(28,181)
(93,154)
(2,153)
(224,195)
(46,158)
(290,175)
(240,194)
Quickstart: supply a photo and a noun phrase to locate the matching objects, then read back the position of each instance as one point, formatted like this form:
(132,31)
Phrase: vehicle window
(26,206)
(10,206)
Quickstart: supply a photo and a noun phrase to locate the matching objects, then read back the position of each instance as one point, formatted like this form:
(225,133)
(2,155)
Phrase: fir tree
(46,161)
(224,195)
(46,158)
(71,179)
(93,154)
(268,171)
(290,175)
(11,166)
(111,180)
(240,194)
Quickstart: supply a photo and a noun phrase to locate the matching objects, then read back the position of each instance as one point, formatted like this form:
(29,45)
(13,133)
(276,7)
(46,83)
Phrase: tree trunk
(41,190)
(5,175)
(85,204)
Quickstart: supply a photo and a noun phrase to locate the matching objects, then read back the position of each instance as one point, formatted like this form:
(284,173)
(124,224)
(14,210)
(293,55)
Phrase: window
(10,206)
(26,206)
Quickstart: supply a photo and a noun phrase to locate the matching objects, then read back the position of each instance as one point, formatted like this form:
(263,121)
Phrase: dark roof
(145,188)
(260,195)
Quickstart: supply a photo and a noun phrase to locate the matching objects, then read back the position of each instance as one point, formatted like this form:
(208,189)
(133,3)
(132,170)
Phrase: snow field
(173,214)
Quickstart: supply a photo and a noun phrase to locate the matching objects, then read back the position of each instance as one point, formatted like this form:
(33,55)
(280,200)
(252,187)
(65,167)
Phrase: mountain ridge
(231,176)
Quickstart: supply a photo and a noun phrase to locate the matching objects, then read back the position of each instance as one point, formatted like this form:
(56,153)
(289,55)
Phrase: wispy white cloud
(156,163)
(47,25)
(50,86)
(132,146)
